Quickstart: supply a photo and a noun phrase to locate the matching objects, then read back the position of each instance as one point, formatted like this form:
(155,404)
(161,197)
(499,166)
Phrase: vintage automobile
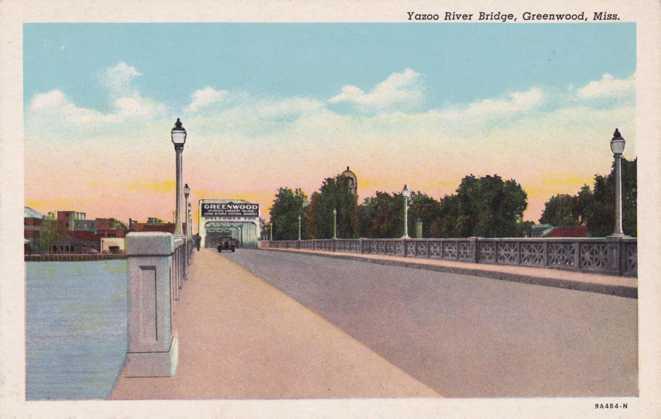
(228,244)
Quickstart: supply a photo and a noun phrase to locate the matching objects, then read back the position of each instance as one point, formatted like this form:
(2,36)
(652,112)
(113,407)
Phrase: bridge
(347,318)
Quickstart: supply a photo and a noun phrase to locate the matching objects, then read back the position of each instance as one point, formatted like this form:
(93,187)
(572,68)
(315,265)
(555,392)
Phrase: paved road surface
(467,336)
(241,338)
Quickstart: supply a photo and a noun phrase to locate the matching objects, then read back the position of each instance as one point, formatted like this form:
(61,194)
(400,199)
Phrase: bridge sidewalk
(241,338)
(581,281)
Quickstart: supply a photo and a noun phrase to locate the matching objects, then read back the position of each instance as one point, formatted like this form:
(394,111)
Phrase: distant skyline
(270,105)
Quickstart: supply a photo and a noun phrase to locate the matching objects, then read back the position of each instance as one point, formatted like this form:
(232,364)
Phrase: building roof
(572,231)
(83,235)
(348,172)
(31,213)
(224,201)
(163,227)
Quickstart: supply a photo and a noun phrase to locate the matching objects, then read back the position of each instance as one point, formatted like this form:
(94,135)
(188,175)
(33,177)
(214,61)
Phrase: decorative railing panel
(450,250)
(508,252)
(562,255)
(595,257)
(465,251)
(532,254)
(600,255)
(436,249)
(487,252)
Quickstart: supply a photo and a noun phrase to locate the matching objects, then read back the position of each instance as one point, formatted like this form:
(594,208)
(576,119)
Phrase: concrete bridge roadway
(468,336)
(266,324)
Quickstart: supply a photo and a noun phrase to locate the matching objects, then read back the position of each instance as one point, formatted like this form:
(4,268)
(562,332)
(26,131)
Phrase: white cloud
(138,107)
(513,103)
(608,87)
(53,109)
(117,79)
(401,91)
(48,100)
(202,98)
(55,105)
(286,107)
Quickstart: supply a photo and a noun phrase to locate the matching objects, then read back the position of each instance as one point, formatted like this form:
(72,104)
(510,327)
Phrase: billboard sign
(230,209)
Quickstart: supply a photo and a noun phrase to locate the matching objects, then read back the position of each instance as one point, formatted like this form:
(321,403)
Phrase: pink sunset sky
(97,129)
(247,152)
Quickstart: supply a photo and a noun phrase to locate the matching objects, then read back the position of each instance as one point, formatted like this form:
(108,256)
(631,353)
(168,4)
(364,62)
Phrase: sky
(269,105)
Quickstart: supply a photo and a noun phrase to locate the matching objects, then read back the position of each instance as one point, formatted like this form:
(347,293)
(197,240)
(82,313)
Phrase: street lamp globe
(186,190)
(178,134)
(406,192)
(617,142)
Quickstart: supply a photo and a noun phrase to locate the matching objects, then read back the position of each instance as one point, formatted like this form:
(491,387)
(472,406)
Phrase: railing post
(476,249)
(152,340)
(175,274)
(621,257)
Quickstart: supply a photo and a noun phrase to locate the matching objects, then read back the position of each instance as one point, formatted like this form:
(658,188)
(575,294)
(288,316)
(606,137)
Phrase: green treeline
(595,207)
(486,206)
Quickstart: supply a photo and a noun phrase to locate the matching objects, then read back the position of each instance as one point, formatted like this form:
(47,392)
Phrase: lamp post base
(618,236)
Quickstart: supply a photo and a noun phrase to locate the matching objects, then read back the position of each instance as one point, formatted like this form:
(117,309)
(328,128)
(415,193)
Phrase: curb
(617,290)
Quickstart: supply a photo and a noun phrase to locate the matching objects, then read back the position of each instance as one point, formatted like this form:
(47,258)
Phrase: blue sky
(460,62)
(271,105)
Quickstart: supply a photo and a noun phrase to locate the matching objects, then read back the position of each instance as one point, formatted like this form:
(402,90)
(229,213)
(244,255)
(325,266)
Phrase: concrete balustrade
(613,256)
(156,267)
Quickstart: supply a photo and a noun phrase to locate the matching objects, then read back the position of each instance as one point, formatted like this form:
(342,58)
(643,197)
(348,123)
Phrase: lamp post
(271,231)
(406,193)
(299,227)
(305,204)
(186,195)
(617,147)
(334,223)
(178,136)
(189,222)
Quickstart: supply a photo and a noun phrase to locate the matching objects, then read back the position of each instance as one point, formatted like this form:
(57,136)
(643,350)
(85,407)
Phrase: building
(152,224)
(353,180)
(84,225)
(66,220)
(109,227)
(33,226)
(540,230)
(75,242)
(113,244)
(222,218)
(568,231)
(548,230)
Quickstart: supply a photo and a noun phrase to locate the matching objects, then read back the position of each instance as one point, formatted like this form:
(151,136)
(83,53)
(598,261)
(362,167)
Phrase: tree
(310,215)
(446,224)
(561,210)
(287,206)
(485,206)
(601,219)
(382,216)
(422,207)
(334,193)
(596,207)
(50,234)
(584,204)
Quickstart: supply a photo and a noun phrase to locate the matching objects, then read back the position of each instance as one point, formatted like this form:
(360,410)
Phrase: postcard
(306,209)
